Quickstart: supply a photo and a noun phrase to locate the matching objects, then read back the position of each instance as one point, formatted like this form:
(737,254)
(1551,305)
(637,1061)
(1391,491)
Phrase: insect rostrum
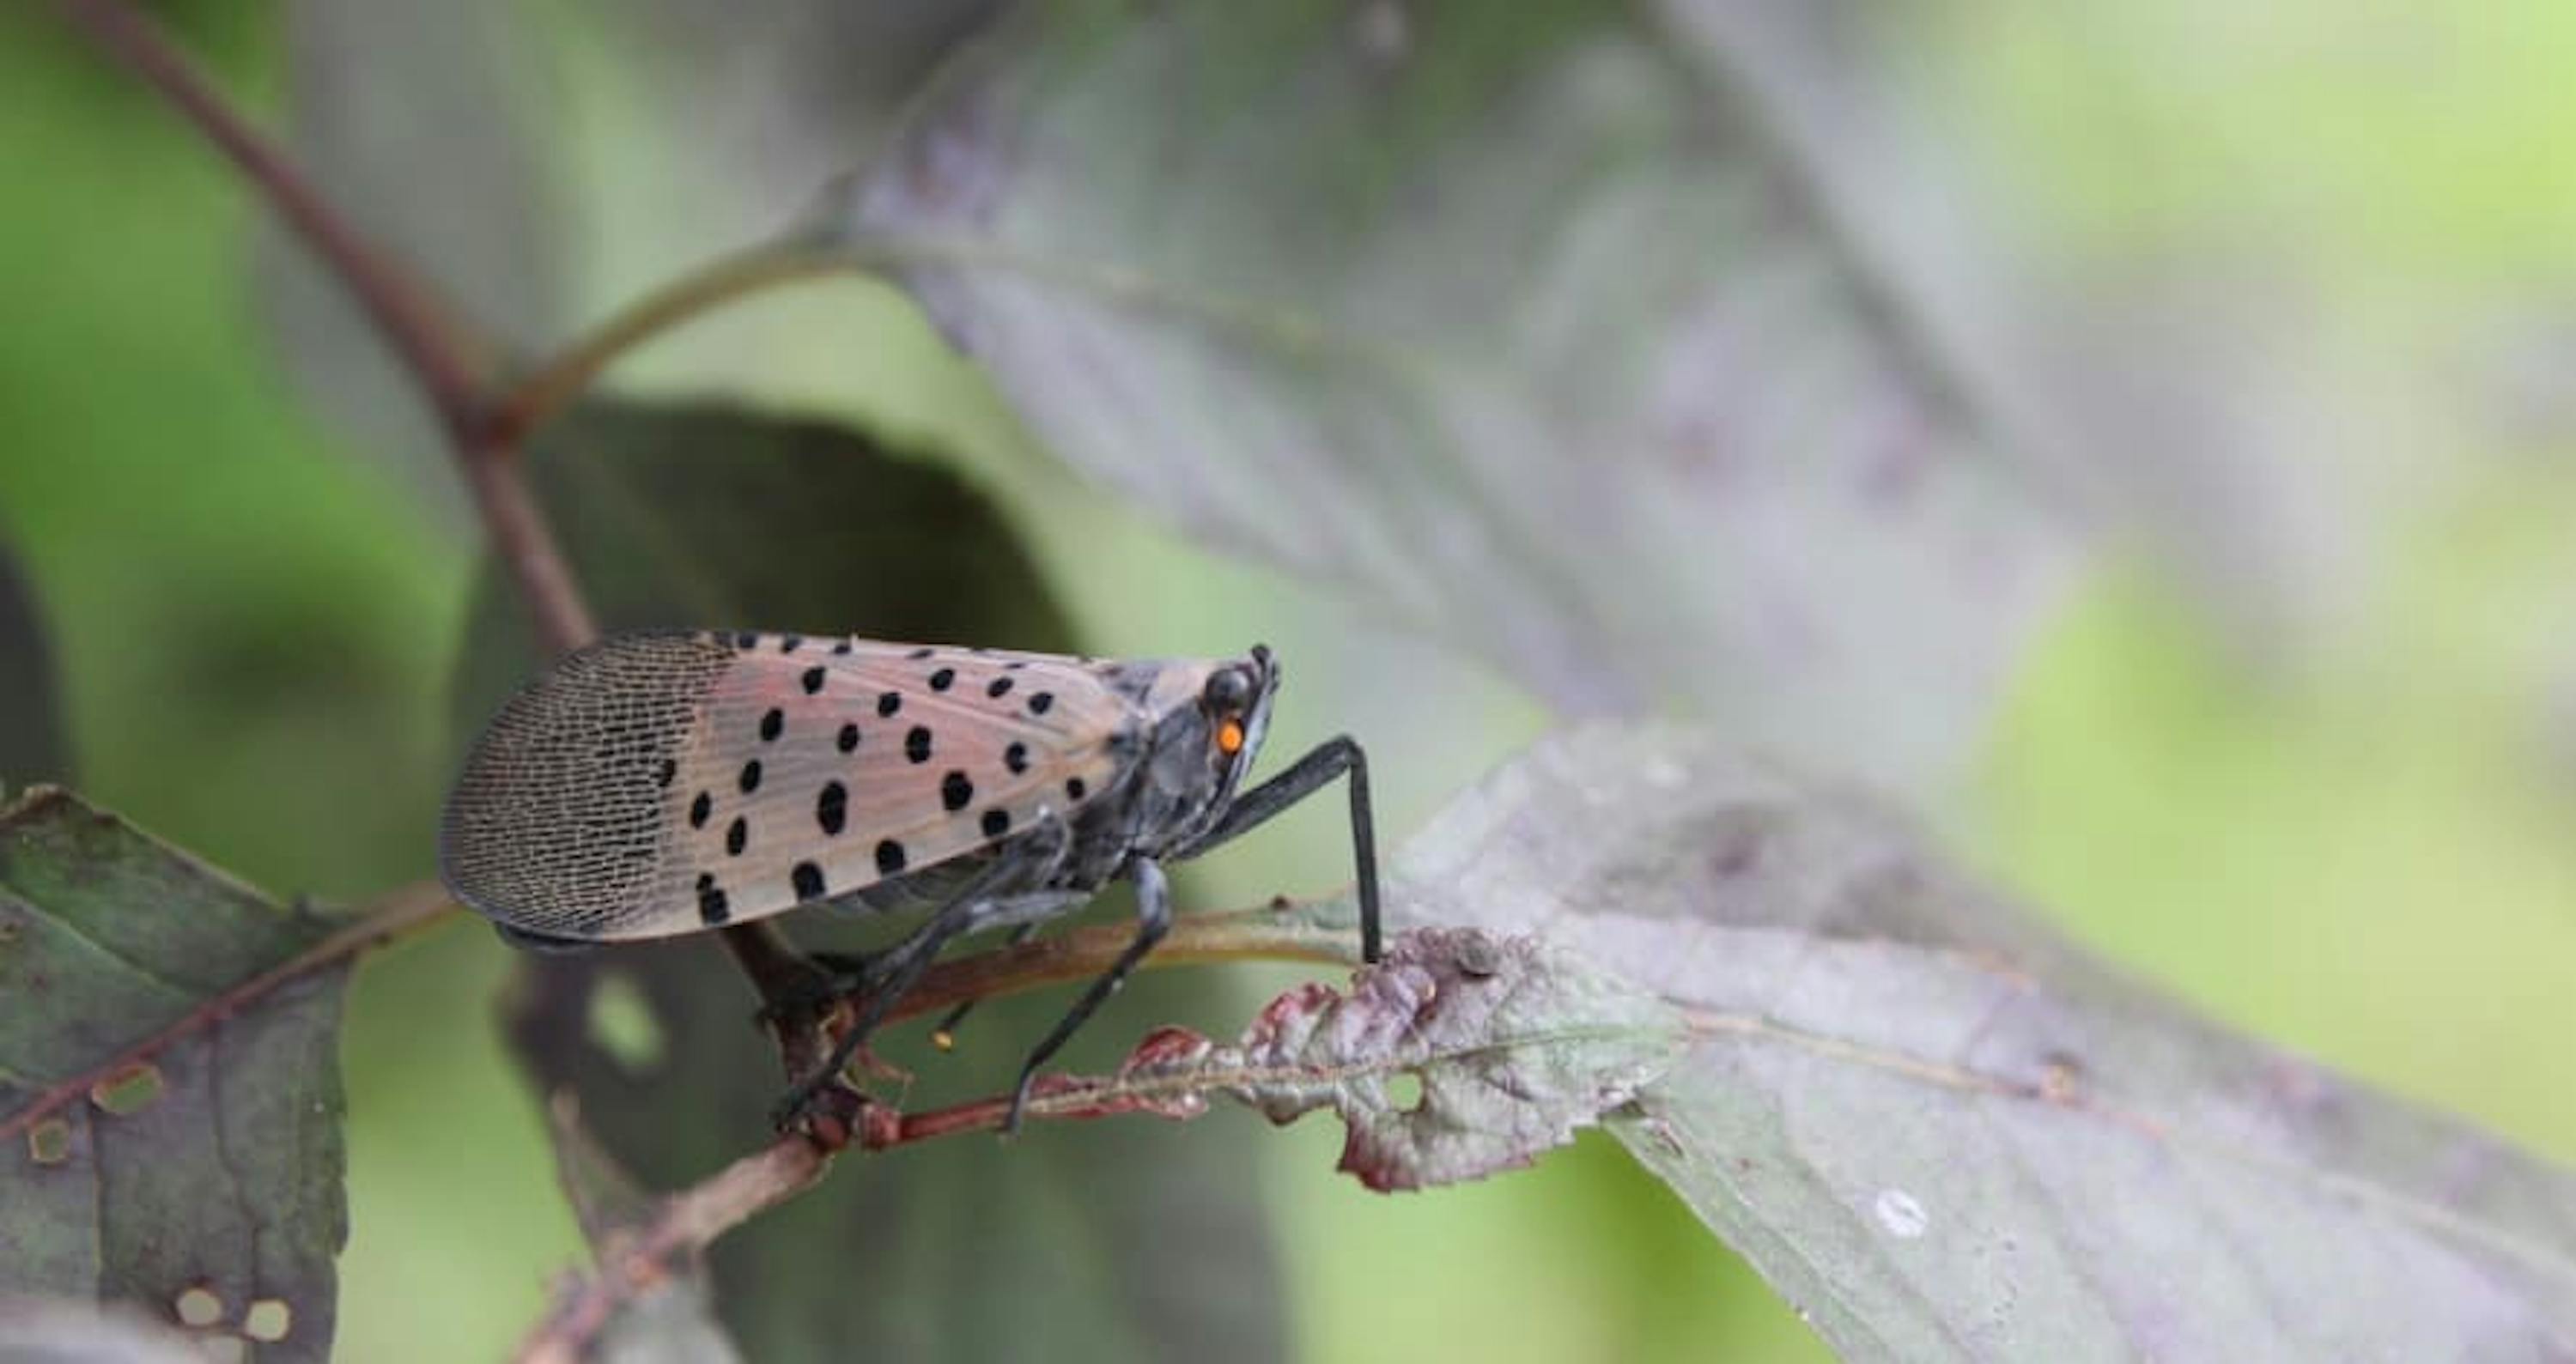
(663,783)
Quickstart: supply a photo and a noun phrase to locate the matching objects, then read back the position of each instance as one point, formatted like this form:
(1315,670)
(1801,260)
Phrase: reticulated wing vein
(658,784)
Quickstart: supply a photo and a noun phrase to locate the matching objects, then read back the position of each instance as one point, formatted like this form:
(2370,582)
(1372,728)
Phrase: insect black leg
(890,977)
(1153,920)
(946,1033)
(541,942)
(1330,759)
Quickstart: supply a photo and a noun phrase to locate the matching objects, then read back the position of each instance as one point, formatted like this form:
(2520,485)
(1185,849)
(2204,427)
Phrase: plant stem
(401,914)
(540,395)
(428,341)
(1278,933)
(643,1259)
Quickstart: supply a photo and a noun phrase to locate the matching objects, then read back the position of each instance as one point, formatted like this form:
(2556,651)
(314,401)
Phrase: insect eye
(1229,691)
(1229,737)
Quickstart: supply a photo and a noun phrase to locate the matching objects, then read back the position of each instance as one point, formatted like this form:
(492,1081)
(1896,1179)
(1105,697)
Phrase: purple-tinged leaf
(1943,1133)
(1515,320)
(1513,1044)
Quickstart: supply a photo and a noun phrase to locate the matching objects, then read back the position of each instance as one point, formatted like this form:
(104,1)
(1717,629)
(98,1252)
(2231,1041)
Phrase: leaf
(1513,319)
(1113,1244)
(48,1331)
(1514,1044)
(1943,1133)
(173,1142)
(31,727)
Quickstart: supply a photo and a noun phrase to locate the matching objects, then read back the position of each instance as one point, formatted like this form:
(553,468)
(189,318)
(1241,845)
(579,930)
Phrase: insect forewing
(656,784)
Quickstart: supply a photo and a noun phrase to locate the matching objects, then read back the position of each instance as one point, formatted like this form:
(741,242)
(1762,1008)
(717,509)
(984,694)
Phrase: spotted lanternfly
(665,783)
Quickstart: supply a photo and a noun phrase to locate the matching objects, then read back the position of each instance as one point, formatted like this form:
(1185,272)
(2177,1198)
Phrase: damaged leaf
(1513,1044)
(1942,1132)
(160,1153)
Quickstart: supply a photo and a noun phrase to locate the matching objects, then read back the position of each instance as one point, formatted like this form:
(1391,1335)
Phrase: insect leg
(945,1035)
(1153,920)
(890,977)
(1330,759)
(541,942)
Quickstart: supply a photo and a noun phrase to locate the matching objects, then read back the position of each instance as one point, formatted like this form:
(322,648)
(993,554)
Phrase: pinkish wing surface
(659,784)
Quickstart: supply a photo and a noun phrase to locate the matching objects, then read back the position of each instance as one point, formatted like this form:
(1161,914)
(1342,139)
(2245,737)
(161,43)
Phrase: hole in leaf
(128,1091)
(268,1319)
(198,1306)
(50,1142)
(223,1349)
(622,1023)
(1404,1091)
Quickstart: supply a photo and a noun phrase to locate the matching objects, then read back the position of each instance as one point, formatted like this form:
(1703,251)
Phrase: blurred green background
(2366,851)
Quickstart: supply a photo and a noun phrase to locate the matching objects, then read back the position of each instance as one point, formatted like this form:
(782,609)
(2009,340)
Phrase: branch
(399,914)
(1165,1075)
(1283,931)
(553,385)
(429,343)
(642,1260)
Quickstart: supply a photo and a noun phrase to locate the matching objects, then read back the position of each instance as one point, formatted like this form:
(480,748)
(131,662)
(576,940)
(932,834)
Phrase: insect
(662,783)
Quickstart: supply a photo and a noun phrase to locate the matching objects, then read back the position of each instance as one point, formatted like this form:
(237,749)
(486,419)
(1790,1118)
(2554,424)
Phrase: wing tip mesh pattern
(557,823)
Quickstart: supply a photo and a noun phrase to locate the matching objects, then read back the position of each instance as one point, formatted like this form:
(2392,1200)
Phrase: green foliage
(139,1172)
(1642,352)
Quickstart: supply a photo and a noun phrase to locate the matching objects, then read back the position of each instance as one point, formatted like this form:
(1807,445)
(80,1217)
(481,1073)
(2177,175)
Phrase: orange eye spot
(1229,737)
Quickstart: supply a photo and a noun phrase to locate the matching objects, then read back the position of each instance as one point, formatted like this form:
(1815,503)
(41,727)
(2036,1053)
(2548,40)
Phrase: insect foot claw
(824,1110)
(1019,1102)
(812,997)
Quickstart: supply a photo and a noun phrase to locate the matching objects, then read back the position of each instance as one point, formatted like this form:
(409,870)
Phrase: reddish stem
(429,343)
(403,912)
